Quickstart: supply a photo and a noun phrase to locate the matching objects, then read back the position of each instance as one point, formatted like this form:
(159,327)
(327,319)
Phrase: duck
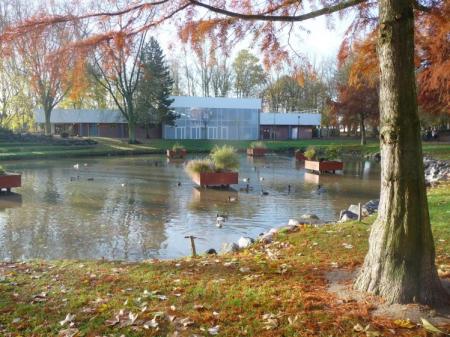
(123,185)
(85,164)
(221,217)
(90,179)
(219,223)
(246,180)
(76,166)
(264,192)
(232,199)
(179,184)
(261,178)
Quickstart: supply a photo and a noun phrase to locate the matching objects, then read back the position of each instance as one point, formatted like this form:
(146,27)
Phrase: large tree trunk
(48,125)
(131,131)
(362,128)
(400,264)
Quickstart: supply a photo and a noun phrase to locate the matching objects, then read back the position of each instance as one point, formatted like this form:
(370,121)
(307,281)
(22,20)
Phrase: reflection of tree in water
(51,194)
(96,219)
(27,232)
(135,221)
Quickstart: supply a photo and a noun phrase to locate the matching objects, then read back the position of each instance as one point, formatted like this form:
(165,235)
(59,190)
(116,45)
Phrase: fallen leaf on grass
(358,328)
(404,323)
(71,332)
(199,307)
(69,319)
(430,327)
(151,324)
(214,330)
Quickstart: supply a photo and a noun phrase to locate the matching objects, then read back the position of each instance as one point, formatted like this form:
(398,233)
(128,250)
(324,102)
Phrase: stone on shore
(229,248)
(348,216)
(245,242)
(355,209)
(310,218)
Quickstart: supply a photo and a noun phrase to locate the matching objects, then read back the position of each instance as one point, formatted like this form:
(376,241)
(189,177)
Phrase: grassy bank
(108,146)
(273,290)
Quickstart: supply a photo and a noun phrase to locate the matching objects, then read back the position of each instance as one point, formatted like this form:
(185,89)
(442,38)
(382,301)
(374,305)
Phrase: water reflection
(10,200)
(138,208)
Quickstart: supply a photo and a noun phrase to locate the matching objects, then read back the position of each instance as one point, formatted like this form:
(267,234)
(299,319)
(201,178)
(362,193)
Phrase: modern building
(290,125)
(199,118)
(215,118)
(92,123)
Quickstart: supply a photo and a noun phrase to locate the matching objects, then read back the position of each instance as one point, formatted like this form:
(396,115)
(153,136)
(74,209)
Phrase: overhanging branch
(280,18)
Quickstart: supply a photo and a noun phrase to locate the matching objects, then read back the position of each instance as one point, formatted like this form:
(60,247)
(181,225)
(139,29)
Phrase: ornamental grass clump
(310,153)
(225,158)
(197,166)
(258,145)
(333,152)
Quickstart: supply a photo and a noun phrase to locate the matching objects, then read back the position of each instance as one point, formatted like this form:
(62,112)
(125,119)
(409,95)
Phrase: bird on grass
(232,199)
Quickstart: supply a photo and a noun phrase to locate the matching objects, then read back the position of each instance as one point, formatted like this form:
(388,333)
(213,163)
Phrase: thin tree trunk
(362,128)
(400,264)
(48,125)
(131,131)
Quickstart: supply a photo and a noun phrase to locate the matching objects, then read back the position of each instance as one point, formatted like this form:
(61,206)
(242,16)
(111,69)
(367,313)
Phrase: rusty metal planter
(10,180)
(256,152)
(324,166)
(300,156)
(216,179)
(180,154)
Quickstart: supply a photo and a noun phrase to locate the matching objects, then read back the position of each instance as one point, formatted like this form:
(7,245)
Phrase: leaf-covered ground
(277,289)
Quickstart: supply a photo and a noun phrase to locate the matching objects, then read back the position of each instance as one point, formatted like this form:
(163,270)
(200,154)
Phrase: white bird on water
(219,220)
(76,166)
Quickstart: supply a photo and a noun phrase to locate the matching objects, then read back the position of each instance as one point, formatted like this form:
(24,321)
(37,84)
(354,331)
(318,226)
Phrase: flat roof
(290,118)
(216,102)
(68,116)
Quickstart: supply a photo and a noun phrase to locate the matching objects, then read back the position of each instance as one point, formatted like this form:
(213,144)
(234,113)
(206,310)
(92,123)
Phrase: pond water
(133,208)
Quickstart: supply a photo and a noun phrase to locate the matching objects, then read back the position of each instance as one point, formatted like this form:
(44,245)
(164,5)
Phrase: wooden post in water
(359,212)
(194,252)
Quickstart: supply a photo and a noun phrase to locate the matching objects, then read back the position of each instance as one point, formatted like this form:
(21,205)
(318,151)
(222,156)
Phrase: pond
(135,208)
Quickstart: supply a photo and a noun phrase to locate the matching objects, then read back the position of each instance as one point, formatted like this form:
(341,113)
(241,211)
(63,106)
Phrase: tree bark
(48,125)
(131,131)
(362,128)
(400,264)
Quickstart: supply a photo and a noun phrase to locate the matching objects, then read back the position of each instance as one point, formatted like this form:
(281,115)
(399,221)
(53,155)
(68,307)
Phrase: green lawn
(108,146)
(273,290)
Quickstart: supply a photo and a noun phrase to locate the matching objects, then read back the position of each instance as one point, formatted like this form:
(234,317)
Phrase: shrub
(310,152)
(225,158)
(198,166)
(333,152)
(177,147)
(2,171)
(258,145)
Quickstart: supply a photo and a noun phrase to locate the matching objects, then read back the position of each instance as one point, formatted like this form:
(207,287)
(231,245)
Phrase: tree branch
(282,18)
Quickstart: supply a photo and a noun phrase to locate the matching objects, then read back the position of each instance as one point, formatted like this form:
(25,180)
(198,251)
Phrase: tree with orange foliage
(400,264)
(357,95)
(45,60)
(116,67)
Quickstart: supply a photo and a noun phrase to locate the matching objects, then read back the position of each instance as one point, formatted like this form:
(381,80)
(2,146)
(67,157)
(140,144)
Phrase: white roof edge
(216,102)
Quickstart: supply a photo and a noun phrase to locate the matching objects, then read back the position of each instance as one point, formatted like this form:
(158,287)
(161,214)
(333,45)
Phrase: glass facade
(214,123)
